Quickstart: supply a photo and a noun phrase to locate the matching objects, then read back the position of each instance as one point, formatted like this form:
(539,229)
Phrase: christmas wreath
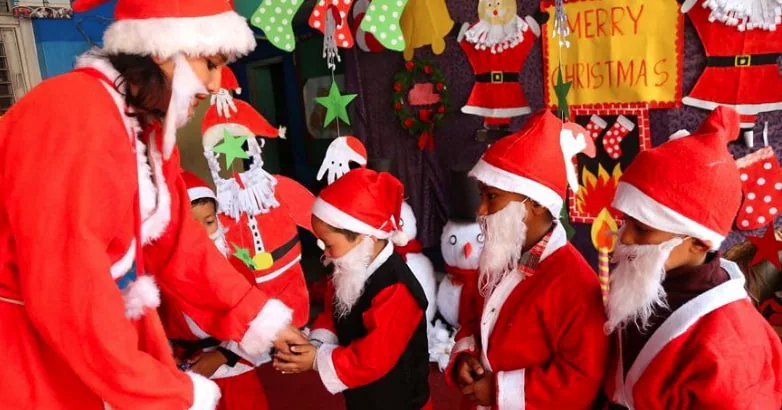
(421,122)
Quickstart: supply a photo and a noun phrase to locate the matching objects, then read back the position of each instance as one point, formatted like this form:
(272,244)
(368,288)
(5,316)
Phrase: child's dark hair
(204,201)
(149,80)
(352,236)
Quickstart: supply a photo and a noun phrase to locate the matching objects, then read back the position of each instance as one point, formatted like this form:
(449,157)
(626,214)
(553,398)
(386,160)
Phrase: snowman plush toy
(461,244)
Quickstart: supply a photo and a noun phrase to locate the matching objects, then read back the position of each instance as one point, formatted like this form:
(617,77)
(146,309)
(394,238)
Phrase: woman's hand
(300,359)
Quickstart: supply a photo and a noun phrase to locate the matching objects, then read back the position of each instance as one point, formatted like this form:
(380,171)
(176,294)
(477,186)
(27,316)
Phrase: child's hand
(482,391)
(208,363)
(300,359)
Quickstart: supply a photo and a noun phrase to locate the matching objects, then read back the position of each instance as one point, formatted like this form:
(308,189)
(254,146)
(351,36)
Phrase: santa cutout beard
(350,275)
(496,37)
(219,239)
(505,233)
(635,284)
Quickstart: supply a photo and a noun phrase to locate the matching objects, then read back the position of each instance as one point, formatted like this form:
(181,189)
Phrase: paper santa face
(407,221)
(497,12)
(461,244)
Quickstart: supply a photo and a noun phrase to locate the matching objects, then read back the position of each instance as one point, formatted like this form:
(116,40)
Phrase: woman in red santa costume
(538,342)
(84,253)
(688,335)
(260,211)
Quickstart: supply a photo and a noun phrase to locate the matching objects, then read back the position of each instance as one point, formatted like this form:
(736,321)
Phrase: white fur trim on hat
(225,33)
(274,317)
(636,204)
(206,393)
(200,192)
(337,218)
(141,294)
(508,181)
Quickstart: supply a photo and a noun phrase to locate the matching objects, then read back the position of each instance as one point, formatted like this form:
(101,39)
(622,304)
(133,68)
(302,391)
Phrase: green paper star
(336,105)
(562,89)
(231,147)
(243,254)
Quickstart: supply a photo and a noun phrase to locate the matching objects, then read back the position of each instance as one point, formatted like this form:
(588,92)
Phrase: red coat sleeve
(297,199)
(69,183)
(202,283)
(579,363)
(390,322)
(323,329)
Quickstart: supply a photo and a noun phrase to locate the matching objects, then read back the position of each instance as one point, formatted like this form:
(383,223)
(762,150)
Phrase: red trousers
(242,392)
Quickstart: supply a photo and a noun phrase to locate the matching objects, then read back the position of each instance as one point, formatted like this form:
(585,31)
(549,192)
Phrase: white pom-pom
(238,90)
(400,238)
(281,132)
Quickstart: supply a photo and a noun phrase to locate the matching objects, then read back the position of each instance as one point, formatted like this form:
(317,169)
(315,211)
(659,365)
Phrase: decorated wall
(426,174)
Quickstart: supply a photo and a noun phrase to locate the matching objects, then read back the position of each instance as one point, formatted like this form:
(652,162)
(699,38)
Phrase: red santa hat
(365,202)
(688,186)
(245,121)
(165,28)
(228,80)
(196,187)
(530,162)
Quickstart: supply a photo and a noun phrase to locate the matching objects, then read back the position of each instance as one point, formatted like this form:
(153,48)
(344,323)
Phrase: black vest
(406,386)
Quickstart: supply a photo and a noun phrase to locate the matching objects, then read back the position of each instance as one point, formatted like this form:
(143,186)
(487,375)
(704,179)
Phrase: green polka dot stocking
(382,20)
(275,18)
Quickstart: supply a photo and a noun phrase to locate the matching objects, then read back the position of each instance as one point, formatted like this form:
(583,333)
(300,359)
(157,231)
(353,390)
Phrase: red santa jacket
(742,69)
(715,352)
(276,233)
(494,96)
(67,246)
(542,335)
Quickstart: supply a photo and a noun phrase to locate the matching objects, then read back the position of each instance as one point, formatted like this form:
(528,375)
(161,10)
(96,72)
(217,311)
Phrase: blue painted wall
(59,42)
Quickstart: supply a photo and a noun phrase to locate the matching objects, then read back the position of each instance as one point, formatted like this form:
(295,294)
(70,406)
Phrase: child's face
(336,244)
(689,252)
(205,214)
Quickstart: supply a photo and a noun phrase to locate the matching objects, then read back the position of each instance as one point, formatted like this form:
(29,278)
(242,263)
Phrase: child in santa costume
(80,278)
(224,362)
(688,335)
(370,341)
(539,341)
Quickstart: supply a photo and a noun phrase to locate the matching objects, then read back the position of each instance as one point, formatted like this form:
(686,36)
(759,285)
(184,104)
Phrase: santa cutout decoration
(341,153)
(223,98)
(497,47)
(260,211)
(743,45)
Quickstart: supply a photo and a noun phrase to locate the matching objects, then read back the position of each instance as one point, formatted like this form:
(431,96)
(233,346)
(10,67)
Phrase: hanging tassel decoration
(330,52)
(561,27)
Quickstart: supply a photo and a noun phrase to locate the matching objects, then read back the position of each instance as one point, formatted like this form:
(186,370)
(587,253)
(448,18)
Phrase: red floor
(305,391)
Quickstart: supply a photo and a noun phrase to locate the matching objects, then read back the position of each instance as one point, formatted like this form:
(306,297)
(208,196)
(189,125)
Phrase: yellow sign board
(621,52)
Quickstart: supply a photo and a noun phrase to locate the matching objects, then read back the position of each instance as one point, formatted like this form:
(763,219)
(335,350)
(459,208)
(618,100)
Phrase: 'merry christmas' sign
(621,51)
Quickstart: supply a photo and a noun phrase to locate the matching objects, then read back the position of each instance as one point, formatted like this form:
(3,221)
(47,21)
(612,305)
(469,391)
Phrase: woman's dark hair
(204,201)
(149,80)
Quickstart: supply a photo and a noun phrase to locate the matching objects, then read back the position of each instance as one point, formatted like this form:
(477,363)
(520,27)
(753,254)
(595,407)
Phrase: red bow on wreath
(426,140)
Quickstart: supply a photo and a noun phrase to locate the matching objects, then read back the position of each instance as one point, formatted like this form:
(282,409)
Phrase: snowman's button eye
(481,238)
(452,240)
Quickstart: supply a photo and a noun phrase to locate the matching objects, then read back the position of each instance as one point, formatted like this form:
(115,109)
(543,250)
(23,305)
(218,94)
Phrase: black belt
(744,60)
(190,347)
(495,77)
(278,253)
(614,406)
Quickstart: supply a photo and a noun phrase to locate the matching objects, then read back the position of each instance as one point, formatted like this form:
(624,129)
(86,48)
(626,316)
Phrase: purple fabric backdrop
(425,175)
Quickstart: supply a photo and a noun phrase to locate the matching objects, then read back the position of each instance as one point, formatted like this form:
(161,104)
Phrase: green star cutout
(231,147)
(243,254)
(561,89)
(564,219)
(336,105)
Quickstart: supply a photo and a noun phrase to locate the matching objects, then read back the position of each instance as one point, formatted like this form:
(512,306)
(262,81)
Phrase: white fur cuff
(206,394)
(328,374)
(510,390)
(464,345)
(324,336)
(274,316)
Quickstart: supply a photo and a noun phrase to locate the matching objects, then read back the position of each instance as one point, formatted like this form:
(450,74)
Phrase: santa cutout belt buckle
(497,77)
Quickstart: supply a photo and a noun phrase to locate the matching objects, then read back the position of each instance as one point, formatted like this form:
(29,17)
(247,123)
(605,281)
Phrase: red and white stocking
(761,182)
(613,137)
(596,126)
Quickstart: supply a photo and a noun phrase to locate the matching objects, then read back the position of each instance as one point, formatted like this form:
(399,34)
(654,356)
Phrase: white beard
(350,275)
(219,239)
(496,37)
(505,233)
(635,284)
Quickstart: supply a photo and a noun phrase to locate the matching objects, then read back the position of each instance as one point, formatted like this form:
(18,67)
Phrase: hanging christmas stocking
(761,182)
(275,18)
(596,126)
(613,137)
(382,20)
(364,40)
